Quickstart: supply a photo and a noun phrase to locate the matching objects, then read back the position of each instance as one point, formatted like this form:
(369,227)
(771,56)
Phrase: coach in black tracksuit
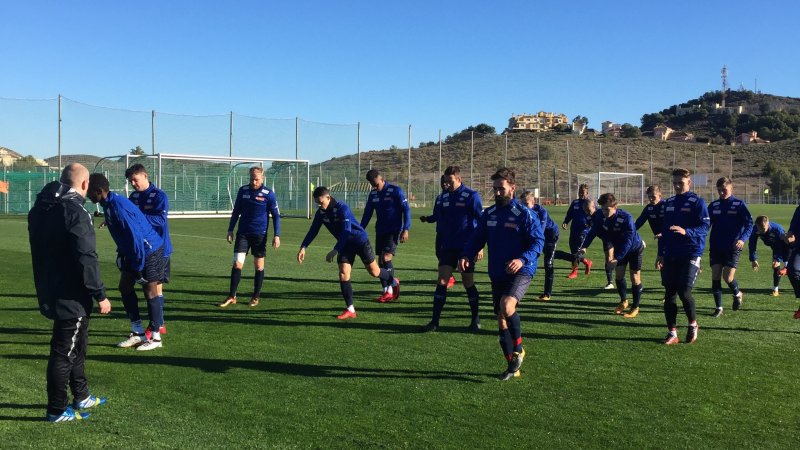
(67,277)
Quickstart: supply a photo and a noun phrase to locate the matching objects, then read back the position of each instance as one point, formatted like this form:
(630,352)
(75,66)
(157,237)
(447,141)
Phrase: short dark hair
(653,189)
(724,181)
(452,170)
(372,174)
(442,181)
(583,186)
(681,172)
(607,199)
(504,173)
(133,170)
(761,220)
(98,183)
(320,191)
(526,194)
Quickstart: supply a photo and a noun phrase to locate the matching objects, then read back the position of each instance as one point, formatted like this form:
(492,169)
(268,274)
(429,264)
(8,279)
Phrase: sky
(434,65)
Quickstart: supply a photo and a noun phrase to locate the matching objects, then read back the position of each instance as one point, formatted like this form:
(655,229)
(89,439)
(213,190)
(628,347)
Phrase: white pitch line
(198,237)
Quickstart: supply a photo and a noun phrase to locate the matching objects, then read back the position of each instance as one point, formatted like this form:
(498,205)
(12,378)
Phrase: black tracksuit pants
(65,366)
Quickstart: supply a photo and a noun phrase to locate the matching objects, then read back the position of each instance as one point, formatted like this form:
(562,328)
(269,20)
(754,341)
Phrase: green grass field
(288,375)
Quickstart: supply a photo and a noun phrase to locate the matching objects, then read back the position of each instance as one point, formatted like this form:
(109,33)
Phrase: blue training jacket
(794,227)
(653,215)
(456,215)
(595,229)
(511,232)
(577,218)
(253,205)
(391,207)
(689,212)
(730,221)
(549,227)
(341,223)
(618,232)
(135,237)
(773,238)
(153,203)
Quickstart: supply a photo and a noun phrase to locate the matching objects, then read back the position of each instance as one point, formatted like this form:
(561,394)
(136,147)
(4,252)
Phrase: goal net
(628,188)
(206,186)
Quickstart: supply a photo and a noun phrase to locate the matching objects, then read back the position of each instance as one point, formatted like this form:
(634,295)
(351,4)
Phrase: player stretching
(153,203)
(551,232)
(773,236)
(351,240)
(794,257)
(580,224)
(515,240)
(391,227)
(626,247)
(456,214)
(731,226)
(140,259)
(253,203)
(653,213)
(683,239)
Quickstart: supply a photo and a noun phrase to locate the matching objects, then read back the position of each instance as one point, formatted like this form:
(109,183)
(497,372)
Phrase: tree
(650,121)
(629,131)
(581,119)
(138,151)
(26,163)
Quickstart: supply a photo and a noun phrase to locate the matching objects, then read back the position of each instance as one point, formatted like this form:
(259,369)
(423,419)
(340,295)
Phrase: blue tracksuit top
(773,238)
(577,218)
(391,207)
(618,232)
(653,215)
(549,227)
(794,227)
(730,222)
(595,229)
(153,203)
(511,232)
(135,237)
(689,212)
(341,223)
(253,205)
(456,215)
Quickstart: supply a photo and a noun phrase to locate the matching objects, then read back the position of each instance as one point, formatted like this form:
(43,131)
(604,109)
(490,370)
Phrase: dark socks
(155,306)
(549,275)
(131,304)
(439,299)
(622,289)
(637,295)
(258,282)
(716,290)
(347,292)
(506,344)
(236,277)
(472,297)
(386,277)
(776,279)
(609,275)
(734,285)
(515,328)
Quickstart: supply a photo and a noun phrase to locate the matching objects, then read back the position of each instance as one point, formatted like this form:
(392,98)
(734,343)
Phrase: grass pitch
(288,375)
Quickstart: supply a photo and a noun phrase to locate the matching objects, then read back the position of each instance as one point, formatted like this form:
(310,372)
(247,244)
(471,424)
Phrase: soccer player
(394,221)
(596,220)
(731,226)
(794,257)
(626,248)
(66,273)
(682,241)
(254,203)
(580,224)
(653,213)
(351,240)
(515,240)
(456,214)
(772,234)
(551,232)
(140,259)
(153,203)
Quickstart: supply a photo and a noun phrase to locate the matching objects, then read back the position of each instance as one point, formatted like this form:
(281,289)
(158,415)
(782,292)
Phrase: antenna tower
(724,83)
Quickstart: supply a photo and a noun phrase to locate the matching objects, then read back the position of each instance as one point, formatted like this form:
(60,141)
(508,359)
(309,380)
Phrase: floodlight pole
(599,167)
(59,132)
(153,132)
(440,152)
(471,156)
(296,138)
(538,165)
(358,166)
(569,173)
(505,153)
(230,137)
(409,161)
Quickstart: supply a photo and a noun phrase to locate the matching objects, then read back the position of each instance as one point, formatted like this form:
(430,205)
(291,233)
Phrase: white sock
(351,308)
(156,336)
(389,290)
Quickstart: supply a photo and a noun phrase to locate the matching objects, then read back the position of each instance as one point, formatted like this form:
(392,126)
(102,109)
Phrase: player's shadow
(284,368)
(20,417)
(12,296)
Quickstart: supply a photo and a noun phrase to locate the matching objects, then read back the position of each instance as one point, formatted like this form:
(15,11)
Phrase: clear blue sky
(432,64)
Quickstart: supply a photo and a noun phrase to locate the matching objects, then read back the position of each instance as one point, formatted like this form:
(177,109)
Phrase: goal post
(206,186)
(628,188)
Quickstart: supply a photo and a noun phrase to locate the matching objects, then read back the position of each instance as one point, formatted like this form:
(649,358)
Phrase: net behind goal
(203,186)
(628,188)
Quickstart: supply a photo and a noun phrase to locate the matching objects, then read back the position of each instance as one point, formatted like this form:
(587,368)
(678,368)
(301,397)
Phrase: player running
(254,203)
(771,234)
(579,224)
(351,240)
(551,232)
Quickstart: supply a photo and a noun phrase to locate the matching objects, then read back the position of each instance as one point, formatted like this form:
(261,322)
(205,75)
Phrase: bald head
(76,176)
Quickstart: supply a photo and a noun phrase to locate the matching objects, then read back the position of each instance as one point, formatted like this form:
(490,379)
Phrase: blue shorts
(155,267)
(450,257)
(680,273)
(512,286)
(727,258)
(387,242)
(256,243)
(633,259)
(363,250)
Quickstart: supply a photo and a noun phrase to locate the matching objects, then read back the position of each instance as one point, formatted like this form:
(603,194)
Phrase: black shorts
(387,242)
(155,267)
(450,257)
(256,243)
(727,258)
(633,259)
(549,250)
(513,286)
(576,240)
(167,269)
(363,250)
(680,273)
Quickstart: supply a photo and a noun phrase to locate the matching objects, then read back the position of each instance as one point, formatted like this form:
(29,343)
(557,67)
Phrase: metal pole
(627,170)
(599,167)
(505,153)
(538,166)
(230,137)
(471,156)
(296,138)
(440,151)
(409,160)
(569,174)
(555,186)
(651,167)
(712,174)
(153,131)
(60,165)
(358,148)
(731,172)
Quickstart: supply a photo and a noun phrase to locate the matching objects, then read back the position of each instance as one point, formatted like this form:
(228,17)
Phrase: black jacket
(65,266)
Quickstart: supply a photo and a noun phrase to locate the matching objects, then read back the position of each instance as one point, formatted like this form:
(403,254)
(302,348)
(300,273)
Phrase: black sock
(637,295)
(258,281)
(439,299)
(472,297)
(716,289)
(776,279)
(506,344)
(609,275)
(734,285)
(347,292)
(236,277)
(622,289)
(515,328)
